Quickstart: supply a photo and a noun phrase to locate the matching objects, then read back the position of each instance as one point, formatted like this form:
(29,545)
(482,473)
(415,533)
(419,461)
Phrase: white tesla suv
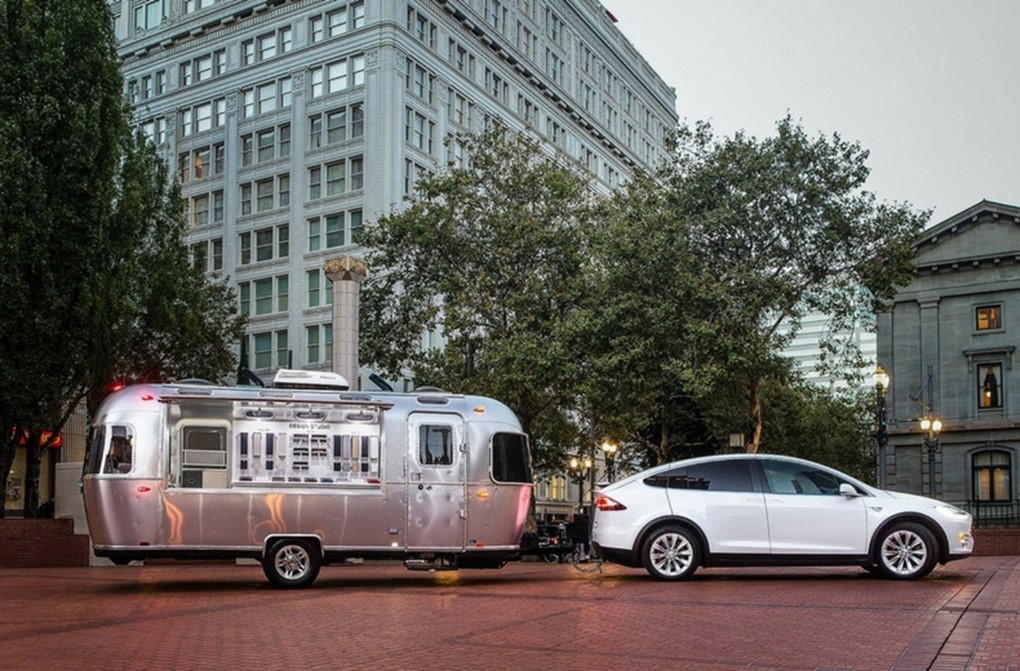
(768,510)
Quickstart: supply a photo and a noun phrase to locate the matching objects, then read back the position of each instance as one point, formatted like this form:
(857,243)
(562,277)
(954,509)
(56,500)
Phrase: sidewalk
(525,616)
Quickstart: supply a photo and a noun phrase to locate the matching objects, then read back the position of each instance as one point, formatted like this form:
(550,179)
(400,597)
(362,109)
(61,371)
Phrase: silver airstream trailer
(298,477)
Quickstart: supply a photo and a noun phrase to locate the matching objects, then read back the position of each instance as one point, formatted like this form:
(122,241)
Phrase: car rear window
(717,476)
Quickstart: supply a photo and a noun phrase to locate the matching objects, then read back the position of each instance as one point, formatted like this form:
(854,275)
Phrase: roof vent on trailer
(310,379)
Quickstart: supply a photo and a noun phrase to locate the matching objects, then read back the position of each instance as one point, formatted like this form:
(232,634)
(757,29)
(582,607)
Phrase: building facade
(291,123)
(948,341)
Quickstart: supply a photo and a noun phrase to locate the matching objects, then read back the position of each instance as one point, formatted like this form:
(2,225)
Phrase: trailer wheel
(292,563)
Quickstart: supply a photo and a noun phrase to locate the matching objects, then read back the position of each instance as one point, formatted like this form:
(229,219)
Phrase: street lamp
(736,440)
(881,421)
(610,449)
(578,467)
(932,426)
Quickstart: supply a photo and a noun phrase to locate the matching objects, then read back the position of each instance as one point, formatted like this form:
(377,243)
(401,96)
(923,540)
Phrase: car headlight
(952,511)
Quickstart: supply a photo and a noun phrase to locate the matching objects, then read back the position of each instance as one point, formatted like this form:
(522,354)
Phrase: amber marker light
(483,495)
(479,409)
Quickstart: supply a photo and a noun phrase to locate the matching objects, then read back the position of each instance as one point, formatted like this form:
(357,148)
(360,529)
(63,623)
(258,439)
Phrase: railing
(994,514)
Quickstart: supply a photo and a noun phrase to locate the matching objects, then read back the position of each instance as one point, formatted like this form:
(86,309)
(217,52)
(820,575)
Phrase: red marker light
(143,489)
(147,397)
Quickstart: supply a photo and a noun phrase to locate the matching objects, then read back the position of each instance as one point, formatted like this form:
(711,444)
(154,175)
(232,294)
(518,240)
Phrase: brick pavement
(525,616)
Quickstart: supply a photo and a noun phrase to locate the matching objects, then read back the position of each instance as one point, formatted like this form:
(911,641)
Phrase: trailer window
(120,453)
(205,447)
(511,460)
(94,457)
(435,444)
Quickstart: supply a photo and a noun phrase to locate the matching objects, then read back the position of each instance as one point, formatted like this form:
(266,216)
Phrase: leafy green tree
(96,282)
(789,229)
(488,257)
(831,427)
(649,332)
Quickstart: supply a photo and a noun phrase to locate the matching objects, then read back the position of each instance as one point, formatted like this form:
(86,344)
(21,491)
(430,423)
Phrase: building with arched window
(948,341)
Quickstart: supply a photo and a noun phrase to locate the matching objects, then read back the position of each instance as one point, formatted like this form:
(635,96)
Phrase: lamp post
(932,426)
(736,440)
(610,449)
(881,421)
(578,467)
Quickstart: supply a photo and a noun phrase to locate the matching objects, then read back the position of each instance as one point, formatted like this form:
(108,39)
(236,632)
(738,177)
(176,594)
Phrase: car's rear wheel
(906,551)
(671,553)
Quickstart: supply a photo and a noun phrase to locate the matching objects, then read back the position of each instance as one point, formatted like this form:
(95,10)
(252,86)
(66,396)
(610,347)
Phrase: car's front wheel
(906,551)
(671,553)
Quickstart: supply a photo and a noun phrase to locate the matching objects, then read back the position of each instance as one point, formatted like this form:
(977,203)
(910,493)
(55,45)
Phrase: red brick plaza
(525,616)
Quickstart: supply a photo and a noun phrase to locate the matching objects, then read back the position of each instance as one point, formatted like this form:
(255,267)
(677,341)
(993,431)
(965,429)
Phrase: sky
(931,88)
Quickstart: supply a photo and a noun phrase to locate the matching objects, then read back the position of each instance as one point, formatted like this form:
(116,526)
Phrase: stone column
(346,273)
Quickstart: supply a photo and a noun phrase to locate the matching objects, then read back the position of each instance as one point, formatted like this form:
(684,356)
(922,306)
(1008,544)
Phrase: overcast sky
(930,87)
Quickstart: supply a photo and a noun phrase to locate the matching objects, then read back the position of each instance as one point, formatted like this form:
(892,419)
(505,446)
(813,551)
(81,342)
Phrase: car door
(719,496)
(807,515)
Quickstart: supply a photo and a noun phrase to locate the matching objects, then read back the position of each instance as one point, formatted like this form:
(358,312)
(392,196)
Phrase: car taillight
(603,502)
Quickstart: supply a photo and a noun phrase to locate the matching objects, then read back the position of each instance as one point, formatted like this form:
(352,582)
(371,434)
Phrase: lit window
(989,317)
(990,385)
(991,476)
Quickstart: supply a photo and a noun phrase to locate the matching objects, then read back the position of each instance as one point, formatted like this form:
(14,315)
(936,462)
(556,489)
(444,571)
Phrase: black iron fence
(994,514)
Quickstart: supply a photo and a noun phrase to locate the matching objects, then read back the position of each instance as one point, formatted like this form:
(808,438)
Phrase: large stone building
(291,123)
(949,341)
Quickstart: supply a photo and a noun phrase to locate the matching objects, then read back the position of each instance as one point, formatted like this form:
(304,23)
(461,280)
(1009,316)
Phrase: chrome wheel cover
(904,552)
(671,554)
(292,562)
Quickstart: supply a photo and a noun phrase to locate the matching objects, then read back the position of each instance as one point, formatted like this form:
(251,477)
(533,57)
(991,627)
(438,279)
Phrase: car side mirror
(849,490)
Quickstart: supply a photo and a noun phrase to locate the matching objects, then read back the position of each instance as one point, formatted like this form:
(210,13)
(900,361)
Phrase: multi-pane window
(527,41)
(991,475)
(319,289)
(412,173)
(554,27)
(320,343)
(496,86)
(217,251)
(155,130)
(264,195)
(282,349)
(202,206)
(553,66)
(334,230)
(462,59)
(988,317)
(341,176)
(203,117)
(263,350)
(989,377)
(419,81)
(419,25)
(337,76)
(271,294)
(198,256)
(269,243)
(265,145)
(340,124)
(200,210)
(495,14)
(267,46)
(149,15)
(200,163)
(419,131)
(267,97)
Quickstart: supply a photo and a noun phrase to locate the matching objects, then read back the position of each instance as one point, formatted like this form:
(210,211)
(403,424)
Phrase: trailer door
(436,468)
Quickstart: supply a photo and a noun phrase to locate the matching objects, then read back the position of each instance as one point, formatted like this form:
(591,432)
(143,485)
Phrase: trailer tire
(292,563)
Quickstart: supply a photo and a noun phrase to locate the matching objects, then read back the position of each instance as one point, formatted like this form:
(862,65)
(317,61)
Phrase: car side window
(788,477)
(716,476)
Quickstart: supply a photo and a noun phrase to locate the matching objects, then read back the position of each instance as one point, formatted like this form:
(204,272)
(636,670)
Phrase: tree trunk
(662,454)
(7,454)
(33,468)
(752,445)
